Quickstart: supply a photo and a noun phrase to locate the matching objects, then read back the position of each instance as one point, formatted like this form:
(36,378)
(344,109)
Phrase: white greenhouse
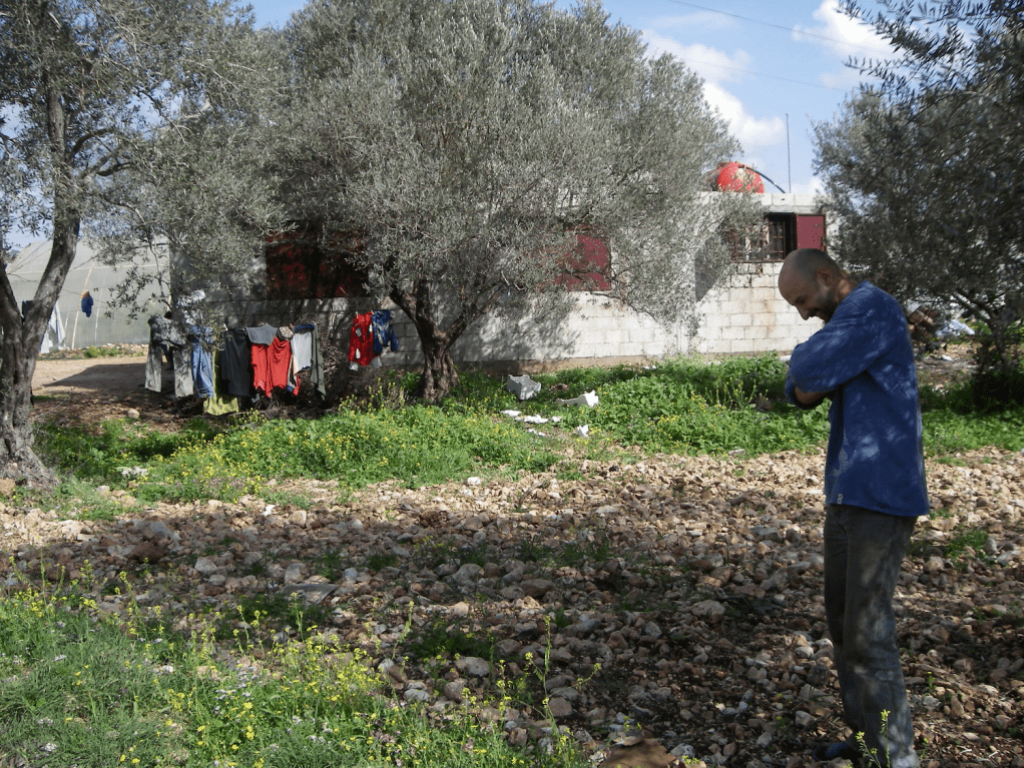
(70,327)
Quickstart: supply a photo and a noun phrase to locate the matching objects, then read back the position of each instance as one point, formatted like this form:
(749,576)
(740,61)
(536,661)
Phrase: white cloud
(844,38)
(710,63)
(715,67)
(751,131)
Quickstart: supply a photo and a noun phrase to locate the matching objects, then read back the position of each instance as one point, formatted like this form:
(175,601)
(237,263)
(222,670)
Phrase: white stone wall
(597,331)
(744,313)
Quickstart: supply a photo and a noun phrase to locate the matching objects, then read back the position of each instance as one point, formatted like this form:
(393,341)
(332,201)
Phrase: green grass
(681,406)
(441,638)
(966,542)
(80,688)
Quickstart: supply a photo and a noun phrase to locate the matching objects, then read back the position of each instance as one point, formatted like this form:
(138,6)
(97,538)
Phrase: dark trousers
(863,553)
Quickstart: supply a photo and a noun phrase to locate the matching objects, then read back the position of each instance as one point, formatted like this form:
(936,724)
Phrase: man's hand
(809,398)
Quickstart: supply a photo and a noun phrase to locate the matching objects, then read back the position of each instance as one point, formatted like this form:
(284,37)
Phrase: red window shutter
(810,232)
(595,254)
(586,266)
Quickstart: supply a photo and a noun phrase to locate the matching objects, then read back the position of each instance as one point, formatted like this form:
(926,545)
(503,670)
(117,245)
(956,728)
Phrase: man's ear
(824,275)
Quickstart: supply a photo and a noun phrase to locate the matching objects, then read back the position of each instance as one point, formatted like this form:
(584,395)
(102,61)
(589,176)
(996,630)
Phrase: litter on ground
(522,387)
(589,399)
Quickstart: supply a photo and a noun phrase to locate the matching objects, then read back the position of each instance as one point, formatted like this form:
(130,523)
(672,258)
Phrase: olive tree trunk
(439,375)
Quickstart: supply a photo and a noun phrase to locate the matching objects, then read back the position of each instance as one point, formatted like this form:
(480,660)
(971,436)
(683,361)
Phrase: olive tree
(86,85)
(926,168)
(470,142)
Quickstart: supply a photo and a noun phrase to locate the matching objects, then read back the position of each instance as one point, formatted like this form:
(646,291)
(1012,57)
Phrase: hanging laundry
(280,364)
(383,333)
(259,355)
(317,379)
(306,354)
(53,336)
(87,303)
(291,385)
(360,342)
(262,334)
(221,402)
(182,359)
(261,338)
(271,358)
(201,359)
(302,347)
(236,363)
(164,336)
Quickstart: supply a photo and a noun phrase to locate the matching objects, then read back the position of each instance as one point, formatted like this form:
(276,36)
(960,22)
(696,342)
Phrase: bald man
(862,359)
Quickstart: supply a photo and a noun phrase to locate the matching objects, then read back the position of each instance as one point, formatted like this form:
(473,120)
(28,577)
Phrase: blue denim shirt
(863,357)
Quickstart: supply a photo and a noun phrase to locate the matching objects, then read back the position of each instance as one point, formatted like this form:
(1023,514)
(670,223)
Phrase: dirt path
(97,375)
(91,390)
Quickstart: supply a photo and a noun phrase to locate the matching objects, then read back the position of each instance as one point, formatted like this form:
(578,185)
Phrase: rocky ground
(680,594)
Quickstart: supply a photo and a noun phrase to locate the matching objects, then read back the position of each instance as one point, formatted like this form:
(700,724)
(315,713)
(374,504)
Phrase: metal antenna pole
(789,161)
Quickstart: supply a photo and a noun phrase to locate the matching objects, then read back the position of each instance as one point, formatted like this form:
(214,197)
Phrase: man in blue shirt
(862,359)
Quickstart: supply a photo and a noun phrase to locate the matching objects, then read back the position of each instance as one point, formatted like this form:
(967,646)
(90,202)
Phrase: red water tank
(737,177)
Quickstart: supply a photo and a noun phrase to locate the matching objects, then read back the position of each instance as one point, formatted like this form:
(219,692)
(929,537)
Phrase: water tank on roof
(737,177)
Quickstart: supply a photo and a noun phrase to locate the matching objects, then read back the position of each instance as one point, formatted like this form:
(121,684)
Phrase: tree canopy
(466,146)
(926,169)
(471,142)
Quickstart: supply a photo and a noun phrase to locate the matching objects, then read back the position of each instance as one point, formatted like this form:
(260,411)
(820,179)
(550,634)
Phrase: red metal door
(810,232)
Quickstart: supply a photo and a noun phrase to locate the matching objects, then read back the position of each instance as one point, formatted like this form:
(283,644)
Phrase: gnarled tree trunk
(17,459)
(439,372)
(20,347)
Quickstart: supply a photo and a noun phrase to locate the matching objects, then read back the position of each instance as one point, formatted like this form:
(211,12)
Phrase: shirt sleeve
(846,346)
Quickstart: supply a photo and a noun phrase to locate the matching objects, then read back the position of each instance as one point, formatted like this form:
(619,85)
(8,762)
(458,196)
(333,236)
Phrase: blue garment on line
(864,358)
(202,360)
(383,333)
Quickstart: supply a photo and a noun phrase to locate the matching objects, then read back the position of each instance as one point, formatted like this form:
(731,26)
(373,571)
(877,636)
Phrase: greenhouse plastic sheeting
(87,273)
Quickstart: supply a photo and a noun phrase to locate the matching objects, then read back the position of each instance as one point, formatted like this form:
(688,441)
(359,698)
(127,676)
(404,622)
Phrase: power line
(761,74)
(770,24)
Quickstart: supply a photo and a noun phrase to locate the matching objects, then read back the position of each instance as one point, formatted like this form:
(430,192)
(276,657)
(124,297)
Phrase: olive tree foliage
(198,196)
(470,142)
(86,85)
(926,169)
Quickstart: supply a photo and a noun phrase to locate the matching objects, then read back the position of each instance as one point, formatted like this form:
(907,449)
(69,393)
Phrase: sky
(763,64)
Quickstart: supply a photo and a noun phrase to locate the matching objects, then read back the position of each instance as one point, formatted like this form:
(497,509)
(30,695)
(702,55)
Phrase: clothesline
(242,363)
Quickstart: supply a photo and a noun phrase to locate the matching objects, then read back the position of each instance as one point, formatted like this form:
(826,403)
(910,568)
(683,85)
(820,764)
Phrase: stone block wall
(744,313)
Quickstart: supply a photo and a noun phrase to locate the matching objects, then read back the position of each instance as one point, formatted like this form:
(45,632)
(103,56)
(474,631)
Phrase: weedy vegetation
(84,687)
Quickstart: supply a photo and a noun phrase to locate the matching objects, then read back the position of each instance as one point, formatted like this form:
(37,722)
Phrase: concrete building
(741,313)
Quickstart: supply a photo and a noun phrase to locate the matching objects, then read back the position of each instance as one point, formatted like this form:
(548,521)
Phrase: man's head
(813,283)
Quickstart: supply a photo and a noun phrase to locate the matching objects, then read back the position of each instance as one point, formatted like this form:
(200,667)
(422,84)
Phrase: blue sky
(760,62)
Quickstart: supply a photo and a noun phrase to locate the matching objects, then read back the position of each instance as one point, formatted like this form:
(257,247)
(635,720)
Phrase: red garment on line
(360,339)
(281,365)
(271,365)
(260,356)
